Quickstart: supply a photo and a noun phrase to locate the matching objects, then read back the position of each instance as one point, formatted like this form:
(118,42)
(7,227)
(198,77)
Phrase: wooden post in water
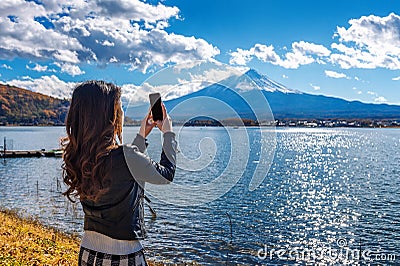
(4,148)
(58,185)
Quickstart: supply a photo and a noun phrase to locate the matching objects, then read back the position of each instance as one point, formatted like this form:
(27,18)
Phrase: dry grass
(27,242)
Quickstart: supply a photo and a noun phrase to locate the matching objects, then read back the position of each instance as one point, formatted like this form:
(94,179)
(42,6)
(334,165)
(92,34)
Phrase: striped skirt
(89,257)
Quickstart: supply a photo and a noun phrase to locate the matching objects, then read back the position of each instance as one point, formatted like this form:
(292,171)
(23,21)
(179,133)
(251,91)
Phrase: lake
(329,194)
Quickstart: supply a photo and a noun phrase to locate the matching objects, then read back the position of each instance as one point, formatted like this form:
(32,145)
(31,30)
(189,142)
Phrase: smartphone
(156,109)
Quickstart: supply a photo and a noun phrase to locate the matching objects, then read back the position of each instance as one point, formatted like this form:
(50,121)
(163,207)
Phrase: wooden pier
(5,153)
(30,153)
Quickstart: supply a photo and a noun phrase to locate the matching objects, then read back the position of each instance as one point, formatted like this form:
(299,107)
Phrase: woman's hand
(147,125)
(166,124)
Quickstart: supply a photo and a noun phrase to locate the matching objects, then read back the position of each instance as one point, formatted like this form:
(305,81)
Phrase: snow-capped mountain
(263,82)
(252,94)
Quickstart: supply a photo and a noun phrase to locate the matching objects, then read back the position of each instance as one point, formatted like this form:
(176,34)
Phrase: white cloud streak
(315,87)
(302,53)
(48,85)
(380,99)
(70,69)
(5,66)
(336,75)
(38,68)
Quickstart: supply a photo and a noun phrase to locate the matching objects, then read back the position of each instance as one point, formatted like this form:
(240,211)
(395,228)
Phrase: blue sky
(347,49)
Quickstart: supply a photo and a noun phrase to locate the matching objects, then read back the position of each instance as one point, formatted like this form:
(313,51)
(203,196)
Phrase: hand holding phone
(147,125)
(157,115)
(156,109)
(166,124)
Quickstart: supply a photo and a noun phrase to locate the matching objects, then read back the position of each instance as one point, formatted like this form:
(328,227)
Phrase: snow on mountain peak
(265,83)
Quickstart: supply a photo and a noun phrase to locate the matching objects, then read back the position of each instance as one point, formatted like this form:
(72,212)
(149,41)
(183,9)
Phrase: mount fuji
(248,93)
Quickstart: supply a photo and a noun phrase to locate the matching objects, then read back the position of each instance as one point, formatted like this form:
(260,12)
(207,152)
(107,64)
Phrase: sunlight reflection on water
(324,184)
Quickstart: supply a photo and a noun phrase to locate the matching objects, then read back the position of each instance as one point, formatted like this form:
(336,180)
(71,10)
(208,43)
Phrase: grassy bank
(25,241)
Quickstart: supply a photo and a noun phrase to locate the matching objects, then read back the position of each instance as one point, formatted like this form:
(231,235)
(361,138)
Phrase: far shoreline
(231,126)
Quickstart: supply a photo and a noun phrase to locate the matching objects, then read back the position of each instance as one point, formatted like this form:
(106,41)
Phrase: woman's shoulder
(133,154)
(116,150)
(130,148)
(126,150)
(116,156)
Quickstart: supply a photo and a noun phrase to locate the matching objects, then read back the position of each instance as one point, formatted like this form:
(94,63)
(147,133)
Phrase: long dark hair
(93,124)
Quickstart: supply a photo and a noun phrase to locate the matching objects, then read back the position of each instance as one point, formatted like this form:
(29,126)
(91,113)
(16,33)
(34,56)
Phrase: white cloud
(67,56)
(136,10)
(113,60)
(129,92)
(302,53)
(30,39)
(132,32)
(38,68)
(336,75)
(49,85)
(369,42)
(396,78)
(185,87)
(6,66)
(284,76)
(311,48)
(357,91)
(135,94)
(380,99)
(108,43)
(265,53)
(241,57)
(215,75)
(70,69)
(315,87)
(187,78)
(184,79)
(138,95)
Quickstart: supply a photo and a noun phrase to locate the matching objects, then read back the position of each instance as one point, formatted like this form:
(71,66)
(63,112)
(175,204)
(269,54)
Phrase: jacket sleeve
(140,142)
(144,169)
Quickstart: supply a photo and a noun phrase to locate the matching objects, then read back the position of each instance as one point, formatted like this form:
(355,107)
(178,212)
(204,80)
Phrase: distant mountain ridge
(24,107)
(296,104)
(239,91)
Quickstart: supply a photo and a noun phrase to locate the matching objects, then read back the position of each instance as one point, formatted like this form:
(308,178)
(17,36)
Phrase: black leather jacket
(119,213)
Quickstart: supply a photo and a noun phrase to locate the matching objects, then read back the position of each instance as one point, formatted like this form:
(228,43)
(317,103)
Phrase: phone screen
(156,109)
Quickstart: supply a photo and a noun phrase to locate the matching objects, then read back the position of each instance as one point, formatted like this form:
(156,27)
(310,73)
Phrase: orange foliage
(21,106)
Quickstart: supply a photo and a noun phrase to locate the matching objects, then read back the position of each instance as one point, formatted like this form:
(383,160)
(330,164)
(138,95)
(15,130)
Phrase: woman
(108,178)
